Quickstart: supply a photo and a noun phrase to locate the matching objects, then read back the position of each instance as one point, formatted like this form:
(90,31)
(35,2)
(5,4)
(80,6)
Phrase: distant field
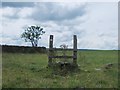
(29,71)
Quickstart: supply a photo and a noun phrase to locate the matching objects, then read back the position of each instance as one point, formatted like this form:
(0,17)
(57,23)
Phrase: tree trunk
(32,44)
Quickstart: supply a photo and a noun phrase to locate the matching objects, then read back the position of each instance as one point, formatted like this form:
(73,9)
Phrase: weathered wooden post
(75,49)
(50,50)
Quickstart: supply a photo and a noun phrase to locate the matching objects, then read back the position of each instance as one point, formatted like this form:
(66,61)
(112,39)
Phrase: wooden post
(75,49)
(50,50)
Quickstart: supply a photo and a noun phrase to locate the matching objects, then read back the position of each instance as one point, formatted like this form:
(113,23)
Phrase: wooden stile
(51,50)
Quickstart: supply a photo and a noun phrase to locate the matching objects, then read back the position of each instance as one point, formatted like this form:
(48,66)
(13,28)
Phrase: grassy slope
(29,71)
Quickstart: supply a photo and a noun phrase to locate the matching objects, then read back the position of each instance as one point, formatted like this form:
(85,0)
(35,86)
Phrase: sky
(94,23)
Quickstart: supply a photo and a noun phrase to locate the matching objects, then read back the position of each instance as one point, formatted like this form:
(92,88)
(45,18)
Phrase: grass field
(29,71)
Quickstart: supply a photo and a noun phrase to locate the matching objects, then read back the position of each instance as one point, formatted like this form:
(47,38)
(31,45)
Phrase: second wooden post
(75,49)
(50,50)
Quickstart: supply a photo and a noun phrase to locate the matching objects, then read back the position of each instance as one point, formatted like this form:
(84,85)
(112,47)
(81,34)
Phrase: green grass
(29,71)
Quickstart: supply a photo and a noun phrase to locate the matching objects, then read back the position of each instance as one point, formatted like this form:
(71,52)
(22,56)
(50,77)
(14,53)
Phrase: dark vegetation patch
(22,49)
(63,68)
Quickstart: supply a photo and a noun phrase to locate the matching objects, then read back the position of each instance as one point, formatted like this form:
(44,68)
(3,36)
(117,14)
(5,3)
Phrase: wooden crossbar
(60,56)
(60,49)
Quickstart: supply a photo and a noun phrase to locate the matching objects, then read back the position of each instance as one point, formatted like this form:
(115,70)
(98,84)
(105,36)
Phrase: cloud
(12,30)
(16,13)
(101,26)
(95,24)
(10,13)
(17,4)
(57,11)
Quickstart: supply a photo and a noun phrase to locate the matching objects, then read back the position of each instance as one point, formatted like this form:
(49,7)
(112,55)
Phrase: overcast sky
(94,23)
